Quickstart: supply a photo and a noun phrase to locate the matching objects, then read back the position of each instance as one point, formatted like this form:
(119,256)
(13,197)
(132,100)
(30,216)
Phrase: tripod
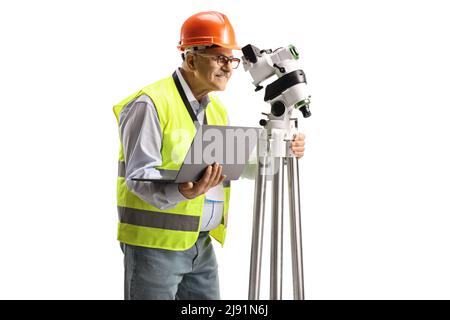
(274,154)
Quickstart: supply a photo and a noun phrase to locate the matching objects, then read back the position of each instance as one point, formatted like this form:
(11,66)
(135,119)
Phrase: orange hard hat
(207,28)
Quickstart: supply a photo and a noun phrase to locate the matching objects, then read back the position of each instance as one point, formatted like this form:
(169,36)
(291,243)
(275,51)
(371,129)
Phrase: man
(165,228)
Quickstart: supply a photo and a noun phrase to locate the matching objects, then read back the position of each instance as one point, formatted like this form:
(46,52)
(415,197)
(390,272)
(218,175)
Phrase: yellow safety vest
(142,224)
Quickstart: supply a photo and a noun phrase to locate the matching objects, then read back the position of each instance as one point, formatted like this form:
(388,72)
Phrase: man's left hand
(298,145)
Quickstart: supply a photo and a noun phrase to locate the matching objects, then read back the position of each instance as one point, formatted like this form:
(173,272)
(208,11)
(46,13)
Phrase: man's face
(212,75)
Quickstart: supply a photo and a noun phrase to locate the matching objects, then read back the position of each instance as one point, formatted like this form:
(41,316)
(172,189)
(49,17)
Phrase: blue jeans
(158,274)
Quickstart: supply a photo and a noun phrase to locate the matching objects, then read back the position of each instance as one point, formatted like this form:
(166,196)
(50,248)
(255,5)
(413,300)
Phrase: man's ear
(190,61)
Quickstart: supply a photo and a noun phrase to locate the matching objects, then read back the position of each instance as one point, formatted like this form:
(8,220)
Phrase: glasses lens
(235,63)
(222,60)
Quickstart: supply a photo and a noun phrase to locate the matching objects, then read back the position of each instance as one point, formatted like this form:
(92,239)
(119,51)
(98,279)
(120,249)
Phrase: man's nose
(227,67)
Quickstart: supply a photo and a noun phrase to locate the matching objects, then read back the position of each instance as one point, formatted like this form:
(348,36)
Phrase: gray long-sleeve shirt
(141,136)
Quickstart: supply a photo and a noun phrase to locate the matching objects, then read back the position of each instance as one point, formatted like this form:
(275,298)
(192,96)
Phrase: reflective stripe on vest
(153,219)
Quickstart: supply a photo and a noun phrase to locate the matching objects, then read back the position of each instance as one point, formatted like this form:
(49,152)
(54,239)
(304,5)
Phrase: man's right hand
(212,177)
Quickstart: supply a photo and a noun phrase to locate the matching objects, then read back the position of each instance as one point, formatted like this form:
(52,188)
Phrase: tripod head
(284,94)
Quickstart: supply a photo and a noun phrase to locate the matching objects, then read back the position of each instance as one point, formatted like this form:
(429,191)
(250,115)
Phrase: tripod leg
(296,232)
(258,227)
(276,263)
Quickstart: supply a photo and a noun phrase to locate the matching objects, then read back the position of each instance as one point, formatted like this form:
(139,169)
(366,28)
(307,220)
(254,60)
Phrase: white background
(374,180)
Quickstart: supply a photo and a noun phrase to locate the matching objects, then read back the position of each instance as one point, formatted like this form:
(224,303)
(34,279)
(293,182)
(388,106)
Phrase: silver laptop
(230,146)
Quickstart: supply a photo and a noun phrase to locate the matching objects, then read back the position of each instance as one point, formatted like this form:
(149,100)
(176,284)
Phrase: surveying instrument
(285,94)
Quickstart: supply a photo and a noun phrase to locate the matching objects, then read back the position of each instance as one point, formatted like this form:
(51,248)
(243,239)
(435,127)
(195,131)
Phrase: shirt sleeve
(251,167)
(141,136)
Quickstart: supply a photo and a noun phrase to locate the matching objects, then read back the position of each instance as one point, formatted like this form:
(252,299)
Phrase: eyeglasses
(223,60)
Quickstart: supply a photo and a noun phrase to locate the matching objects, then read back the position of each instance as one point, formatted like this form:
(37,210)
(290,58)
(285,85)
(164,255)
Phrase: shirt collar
(190,96)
